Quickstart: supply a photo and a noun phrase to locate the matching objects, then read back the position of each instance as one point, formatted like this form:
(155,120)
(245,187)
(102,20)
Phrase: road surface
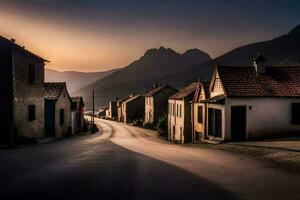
(124,162)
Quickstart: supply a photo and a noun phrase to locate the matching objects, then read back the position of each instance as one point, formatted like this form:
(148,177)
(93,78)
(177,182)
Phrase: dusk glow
(101,35)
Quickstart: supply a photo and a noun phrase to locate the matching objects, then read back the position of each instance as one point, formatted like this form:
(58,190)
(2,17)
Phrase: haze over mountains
(75,80)
(167,66)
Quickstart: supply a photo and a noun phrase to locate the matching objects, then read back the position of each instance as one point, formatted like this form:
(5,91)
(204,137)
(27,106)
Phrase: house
(156,102)
(199,111)
(179,115)
(77,117)
(57,110)
(133,108)
(111,113)
(253,102)
(21,93)
(101,113)
(120,117)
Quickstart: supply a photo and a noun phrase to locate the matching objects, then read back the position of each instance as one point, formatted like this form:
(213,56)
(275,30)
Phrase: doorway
(238,123)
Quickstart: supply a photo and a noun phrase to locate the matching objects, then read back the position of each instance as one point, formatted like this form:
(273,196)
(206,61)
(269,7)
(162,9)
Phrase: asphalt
(124,162)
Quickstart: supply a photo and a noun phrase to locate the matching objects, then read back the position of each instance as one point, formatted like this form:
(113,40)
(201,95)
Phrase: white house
(179,115)
(253,102)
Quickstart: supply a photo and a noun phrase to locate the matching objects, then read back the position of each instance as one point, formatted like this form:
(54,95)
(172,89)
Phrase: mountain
(75,80)
(167,66)
(140,75)
(283,50)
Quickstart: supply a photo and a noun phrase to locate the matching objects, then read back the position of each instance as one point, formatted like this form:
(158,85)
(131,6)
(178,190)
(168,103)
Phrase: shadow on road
(77,169)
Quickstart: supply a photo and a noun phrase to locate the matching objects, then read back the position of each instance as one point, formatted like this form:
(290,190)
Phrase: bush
(162,126)
(149,125)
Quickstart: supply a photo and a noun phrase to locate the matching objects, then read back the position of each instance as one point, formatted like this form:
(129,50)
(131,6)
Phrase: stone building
(21,92)
(179,115)
(253,102)
(156,102)
(120,117)
(57,110)
(77,115)
(199,111)
(133,108)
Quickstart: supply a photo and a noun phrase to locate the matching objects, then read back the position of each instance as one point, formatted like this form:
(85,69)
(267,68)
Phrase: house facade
(22,96)
(156,102)
(199,111)
(256,102)
(179,115)
(77,116)
(133,108)
(112,110)
(57,110)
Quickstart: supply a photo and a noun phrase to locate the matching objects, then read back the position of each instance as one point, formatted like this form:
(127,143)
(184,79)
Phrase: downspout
(192,121)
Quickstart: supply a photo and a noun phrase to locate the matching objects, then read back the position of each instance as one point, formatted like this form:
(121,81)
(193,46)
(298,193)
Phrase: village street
(124,162)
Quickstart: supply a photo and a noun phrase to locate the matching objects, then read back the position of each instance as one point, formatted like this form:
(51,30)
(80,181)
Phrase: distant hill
(167,66)
(283,50)
(75,80)
(140,75)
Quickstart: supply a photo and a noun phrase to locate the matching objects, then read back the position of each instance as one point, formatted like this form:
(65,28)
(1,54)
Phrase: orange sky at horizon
(80,46)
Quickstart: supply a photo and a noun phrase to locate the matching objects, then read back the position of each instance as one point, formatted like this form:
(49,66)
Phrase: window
(177,110)
(296,113)
(174,109)
(180,110)
(31,73)
(31,113)
(200,114)
(62,116)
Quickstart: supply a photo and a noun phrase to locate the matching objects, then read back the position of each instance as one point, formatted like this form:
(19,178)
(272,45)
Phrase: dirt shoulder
(283,154)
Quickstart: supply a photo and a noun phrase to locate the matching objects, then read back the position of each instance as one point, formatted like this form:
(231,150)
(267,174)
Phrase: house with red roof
(256,102)
(77,117)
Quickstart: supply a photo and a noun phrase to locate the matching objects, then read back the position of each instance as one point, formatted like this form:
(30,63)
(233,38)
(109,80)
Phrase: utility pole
(93,114)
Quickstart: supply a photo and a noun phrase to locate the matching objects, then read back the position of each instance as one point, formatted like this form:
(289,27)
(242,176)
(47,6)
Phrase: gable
(217,87)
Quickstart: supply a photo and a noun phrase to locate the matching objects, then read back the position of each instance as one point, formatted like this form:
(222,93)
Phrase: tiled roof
(156,90)
(186,91)
(53,90)
(245,82)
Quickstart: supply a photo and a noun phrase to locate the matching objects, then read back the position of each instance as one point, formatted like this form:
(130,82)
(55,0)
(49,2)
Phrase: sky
(98,35)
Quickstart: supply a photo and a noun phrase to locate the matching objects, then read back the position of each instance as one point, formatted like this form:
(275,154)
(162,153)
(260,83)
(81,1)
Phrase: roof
(78,100)
(18,47)
(131,98)
(220,99)
(156,90)
(275,82)
(184,92)
(53,90)
(201,85)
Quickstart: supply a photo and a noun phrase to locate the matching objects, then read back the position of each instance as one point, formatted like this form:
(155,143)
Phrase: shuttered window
(296,113)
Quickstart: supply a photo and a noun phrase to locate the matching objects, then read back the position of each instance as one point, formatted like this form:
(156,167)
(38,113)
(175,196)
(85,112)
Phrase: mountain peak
(161,50)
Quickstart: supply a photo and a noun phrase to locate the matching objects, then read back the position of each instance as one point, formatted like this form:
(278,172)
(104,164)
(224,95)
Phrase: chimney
(259,64)
(12,40)
(156,85)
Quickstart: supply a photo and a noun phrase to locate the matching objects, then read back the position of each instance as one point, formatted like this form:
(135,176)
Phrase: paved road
(125,162)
